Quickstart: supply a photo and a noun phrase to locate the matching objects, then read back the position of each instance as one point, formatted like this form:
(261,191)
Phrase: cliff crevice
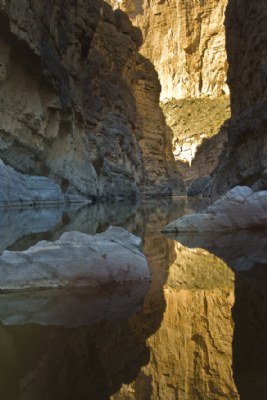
(72,105)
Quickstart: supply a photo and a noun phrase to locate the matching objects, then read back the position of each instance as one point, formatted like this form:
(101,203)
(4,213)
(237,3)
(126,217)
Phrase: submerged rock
(239,208)
(75,260)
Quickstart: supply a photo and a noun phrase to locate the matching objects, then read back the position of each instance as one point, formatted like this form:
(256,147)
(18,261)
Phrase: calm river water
(197,331)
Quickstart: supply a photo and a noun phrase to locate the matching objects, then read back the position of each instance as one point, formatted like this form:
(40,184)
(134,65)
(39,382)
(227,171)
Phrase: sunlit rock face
(199,133)
(186,43)
(191,353)
(74,103)
(245,158)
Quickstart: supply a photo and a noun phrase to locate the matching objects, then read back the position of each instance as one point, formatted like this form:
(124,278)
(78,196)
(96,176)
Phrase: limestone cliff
(73,104)
(245,158)
(185,40)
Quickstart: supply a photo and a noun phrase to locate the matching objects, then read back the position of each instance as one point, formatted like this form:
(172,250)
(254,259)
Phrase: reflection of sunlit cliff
(191,353)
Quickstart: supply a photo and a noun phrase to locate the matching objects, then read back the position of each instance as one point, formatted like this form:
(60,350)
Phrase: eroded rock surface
(245,158)
(18,189)
(240,208)
(199,134)
(74,102)
(186,43)
(76,259)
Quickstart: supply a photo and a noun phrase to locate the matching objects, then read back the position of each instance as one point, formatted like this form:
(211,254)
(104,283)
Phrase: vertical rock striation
(245,158)
(70,106)
(185,40)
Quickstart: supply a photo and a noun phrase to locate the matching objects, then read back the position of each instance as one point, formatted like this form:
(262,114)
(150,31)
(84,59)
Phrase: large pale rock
(76,259)
(240,208)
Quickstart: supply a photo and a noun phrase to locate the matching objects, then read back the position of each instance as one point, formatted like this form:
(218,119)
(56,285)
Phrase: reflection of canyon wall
(250,340)
(245,158)
(191,353)
(77,98)
(91,362)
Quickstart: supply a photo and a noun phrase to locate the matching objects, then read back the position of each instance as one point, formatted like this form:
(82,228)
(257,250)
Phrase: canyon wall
(185,40)
(74,103)
(244,160)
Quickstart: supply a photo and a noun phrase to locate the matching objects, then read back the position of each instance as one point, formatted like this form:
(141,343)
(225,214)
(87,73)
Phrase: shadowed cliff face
(244,160)
(74,99)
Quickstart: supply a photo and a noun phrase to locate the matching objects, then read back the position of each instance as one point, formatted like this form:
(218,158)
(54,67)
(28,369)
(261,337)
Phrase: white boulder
(239,208)
(75,260)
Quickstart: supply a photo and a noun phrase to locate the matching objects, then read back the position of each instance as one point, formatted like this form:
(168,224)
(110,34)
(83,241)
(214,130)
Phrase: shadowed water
(197,331)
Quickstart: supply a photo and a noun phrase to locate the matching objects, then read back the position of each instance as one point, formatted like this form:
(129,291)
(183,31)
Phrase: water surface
(197,331)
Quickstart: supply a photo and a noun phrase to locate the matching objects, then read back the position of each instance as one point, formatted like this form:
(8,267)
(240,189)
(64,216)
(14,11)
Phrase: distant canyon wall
(78,102)
(185,40)
(244,160)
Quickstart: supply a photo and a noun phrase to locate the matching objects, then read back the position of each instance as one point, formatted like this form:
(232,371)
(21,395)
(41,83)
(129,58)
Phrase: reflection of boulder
(16,223)
(240,208)
(76,259)
(241,250)
(75,307)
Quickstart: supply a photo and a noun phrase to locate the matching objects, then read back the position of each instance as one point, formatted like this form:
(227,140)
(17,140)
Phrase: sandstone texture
(244,160)
(76,259)
(79,104)
(239,208)
(185,40)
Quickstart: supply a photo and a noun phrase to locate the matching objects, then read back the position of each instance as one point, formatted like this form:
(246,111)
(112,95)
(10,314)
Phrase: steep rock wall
(199,133)
(69,73)
(244,160)
(185,40)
